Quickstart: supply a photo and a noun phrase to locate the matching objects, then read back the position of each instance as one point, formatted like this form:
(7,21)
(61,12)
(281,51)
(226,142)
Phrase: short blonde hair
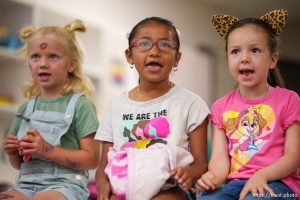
(77,81)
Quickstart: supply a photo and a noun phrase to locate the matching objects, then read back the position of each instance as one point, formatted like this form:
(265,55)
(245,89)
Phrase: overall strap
(71,106)
(25,118)
(29,110)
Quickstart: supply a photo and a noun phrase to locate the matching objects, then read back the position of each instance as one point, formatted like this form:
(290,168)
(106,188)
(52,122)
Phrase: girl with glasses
(153,115)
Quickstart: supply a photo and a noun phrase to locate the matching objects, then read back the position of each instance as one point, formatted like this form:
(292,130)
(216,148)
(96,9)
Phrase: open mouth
(154,64)
(246,72)
(44,76)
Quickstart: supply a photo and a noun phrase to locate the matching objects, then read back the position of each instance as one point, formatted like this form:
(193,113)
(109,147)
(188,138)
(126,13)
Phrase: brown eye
(256,50)
(166,45)
(234,51)
(144,44)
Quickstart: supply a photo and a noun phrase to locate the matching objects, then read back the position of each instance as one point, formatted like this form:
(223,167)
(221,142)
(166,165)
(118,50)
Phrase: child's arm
(10,146)
(198,148)
(87,157)
(284,166)
(103,185)
(218,167)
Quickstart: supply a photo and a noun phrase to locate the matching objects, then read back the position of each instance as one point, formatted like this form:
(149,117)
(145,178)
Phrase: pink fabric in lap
(141,173)
(116,170)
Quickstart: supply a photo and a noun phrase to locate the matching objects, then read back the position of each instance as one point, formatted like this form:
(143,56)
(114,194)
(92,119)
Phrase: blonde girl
(51,138)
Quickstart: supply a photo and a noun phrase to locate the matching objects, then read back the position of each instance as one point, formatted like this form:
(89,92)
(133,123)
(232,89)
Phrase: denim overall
(40,175)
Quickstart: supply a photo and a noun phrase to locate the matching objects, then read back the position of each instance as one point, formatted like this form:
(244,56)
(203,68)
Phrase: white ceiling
(255,8)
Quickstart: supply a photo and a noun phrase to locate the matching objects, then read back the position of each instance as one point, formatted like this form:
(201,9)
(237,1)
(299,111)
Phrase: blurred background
(202,69)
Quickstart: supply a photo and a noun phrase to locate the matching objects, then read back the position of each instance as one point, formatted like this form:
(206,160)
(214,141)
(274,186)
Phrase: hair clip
(276,19)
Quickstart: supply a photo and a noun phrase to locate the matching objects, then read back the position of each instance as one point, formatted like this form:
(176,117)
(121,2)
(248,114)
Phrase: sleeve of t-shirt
(215,116)
(293,111)
(197,114)
(105,131)
(14,128)
(86,120)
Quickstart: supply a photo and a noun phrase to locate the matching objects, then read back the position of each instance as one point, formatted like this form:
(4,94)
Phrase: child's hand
(208,181)
(11,145)
(104,190)
(257,185)
(34,144)
(182,177)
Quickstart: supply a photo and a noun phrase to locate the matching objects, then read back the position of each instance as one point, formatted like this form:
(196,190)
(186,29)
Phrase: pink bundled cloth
(141,173)
(26,158)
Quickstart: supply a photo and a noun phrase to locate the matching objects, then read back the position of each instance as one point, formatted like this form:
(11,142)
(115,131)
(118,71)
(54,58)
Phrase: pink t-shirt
(255,129)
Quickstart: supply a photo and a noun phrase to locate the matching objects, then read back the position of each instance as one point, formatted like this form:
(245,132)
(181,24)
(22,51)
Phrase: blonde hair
(77,81)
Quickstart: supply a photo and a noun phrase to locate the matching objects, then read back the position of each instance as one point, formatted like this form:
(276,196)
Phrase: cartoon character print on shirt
(247,131)
(143,133)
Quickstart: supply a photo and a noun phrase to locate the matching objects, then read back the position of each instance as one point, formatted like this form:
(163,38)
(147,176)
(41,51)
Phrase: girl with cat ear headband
(255,130)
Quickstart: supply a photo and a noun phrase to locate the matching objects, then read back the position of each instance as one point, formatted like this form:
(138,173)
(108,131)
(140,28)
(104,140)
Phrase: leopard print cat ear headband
(276,19)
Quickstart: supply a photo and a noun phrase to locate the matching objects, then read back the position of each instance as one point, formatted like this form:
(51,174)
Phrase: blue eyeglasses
(146,44)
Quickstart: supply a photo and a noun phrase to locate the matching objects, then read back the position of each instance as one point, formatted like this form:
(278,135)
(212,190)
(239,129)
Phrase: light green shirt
(85,121)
